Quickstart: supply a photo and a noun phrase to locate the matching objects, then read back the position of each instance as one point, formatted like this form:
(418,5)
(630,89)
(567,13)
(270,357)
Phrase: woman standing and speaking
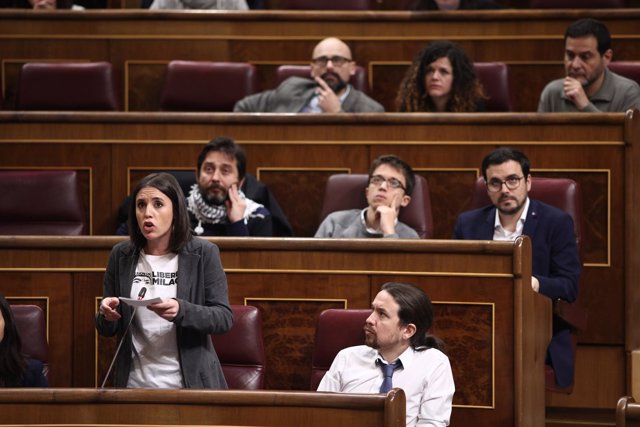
(168,343)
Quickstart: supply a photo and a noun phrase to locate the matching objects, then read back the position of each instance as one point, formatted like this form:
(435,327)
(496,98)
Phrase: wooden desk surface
(196,407)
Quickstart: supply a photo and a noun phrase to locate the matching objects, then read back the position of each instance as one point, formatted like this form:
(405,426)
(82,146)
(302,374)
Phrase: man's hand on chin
(574,90)
(328,101)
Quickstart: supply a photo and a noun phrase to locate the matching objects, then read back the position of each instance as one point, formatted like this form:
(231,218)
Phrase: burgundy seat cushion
(40,203)
(241,350)
(494,77)
(335,330)
(628,69)
(66,86)
(31,325)
(207,86)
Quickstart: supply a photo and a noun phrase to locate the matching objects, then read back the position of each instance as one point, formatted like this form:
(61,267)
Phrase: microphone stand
(141,295)
(113,361)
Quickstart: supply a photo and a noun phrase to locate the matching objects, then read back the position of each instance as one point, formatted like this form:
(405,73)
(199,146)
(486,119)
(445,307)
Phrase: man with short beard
(399,352)
(327,91)
(555,265)
(589,86)
(216,205)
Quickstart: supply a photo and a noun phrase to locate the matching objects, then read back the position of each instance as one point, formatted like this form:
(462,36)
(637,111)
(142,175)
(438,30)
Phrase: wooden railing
(140,43)
(41,407)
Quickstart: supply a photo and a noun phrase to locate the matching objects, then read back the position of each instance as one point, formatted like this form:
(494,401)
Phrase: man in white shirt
(398,353)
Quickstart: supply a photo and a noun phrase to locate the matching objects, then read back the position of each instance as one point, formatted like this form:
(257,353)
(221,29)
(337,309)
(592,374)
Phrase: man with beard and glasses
(555,265)
(398,353)
(328,90)
(589,86)
(216,205)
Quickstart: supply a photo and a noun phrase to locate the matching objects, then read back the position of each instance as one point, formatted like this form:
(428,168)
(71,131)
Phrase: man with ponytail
(399,353)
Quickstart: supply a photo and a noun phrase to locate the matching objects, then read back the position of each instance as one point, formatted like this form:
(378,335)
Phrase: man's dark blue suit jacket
(556,265)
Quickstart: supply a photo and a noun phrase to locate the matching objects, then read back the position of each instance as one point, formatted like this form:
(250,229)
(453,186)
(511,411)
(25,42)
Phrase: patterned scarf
(216,214)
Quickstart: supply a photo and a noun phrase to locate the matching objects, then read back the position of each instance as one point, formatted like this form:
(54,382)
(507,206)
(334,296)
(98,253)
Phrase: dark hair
(416,308)
(168,185)
(399,164)
(229,147)
(432,5)
(504,154)
(466,90)
(590,27)
(12,362)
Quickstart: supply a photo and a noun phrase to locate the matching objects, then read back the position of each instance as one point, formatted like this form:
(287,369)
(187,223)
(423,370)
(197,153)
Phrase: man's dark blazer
(556,265)
(294,94)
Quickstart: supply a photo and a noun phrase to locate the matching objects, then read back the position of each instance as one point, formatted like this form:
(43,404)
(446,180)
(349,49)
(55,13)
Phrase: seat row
(61,210)
(241,350)
(343,191)
(190,85)
(210,86)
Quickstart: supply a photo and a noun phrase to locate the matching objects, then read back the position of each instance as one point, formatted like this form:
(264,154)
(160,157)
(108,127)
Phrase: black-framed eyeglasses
(336,60)
(494,185)
(377,180)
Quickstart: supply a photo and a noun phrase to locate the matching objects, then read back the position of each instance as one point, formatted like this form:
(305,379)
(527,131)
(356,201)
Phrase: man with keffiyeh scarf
(216,205)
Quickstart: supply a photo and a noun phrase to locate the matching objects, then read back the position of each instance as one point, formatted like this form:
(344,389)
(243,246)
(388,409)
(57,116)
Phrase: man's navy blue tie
(387,372)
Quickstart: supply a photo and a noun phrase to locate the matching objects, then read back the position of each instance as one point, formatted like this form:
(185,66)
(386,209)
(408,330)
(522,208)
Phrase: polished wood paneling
(198,407)
(595,388)
(495,327)
(530,42)
(295,155)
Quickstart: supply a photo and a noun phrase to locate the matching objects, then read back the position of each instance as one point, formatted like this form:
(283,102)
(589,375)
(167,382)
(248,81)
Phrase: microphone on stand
(141,295)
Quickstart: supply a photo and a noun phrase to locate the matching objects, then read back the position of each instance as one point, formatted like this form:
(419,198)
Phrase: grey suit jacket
(294,94)
(204,309)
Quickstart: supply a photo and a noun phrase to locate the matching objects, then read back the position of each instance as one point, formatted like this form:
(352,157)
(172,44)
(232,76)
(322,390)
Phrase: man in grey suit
(328,90)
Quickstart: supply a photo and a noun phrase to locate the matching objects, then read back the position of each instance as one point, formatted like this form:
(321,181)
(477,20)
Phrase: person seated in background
(445,5)
(47,4)
(398,352)
(556,263)
(588,85)
(200,4)
(217,204)
(327,91)
(16,369)
(391,182)
(441,79)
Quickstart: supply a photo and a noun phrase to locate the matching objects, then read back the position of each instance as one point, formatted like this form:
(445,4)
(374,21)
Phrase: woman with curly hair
(16,369)
(441,79)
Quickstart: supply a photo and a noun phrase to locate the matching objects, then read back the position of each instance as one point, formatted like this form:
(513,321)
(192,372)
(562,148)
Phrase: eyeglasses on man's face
(512,182)
(377,180)
(336,60)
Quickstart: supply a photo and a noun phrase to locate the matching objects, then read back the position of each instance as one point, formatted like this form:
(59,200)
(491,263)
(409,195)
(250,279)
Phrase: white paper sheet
(140,303)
